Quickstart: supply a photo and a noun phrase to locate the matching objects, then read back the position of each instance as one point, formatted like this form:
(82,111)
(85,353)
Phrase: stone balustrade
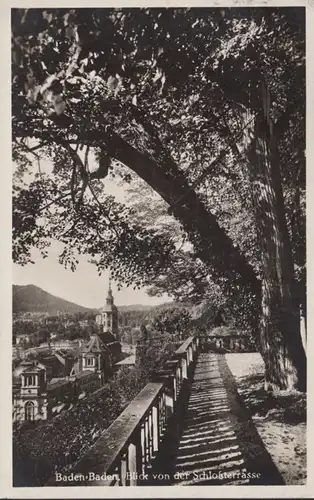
(128,451)
(229,343)
(124,453)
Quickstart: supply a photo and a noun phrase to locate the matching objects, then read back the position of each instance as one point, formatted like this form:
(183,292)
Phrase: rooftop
(95,345)
(130,360)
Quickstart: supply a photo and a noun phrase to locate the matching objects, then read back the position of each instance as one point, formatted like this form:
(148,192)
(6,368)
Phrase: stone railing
(124,453)
(229,343)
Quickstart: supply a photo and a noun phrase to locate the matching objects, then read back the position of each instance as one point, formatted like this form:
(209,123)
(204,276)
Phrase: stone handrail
(124,452)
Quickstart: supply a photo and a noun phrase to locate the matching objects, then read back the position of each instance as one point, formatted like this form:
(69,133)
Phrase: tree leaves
(172,83)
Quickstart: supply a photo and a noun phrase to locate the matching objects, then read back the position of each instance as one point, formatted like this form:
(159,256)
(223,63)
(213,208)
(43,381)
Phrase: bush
(174,321)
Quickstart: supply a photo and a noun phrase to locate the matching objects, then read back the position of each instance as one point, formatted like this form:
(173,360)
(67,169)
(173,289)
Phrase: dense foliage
(206,105)
(65,69)
(174,321)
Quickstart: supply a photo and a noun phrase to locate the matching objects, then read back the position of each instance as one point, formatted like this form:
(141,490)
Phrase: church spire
(109,314)
(109,299)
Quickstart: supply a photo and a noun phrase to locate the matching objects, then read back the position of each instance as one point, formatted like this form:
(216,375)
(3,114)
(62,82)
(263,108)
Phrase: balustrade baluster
(143,446)
(190,354)
(169,401)
(124,470)
(146,443)
(116,474)
(137,443)
(164,409)
(184,367)
(178,381)
(155,429)
(132,463)
(174,388)
(160,412)
(150,434)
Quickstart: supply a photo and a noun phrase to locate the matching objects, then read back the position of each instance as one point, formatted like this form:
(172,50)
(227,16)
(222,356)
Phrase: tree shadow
(288,408)
(218,442)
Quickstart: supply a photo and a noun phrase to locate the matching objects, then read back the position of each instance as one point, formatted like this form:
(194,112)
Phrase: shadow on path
(219,443)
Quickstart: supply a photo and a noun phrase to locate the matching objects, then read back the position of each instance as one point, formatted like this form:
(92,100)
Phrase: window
(29,380)
(90,361)
(29,410)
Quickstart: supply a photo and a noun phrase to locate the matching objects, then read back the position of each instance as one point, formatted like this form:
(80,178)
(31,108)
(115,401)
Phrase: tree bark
(280,338)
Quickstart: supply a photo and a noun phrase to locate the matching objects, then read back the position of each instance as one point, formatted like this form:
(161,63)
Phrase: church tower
(108,317)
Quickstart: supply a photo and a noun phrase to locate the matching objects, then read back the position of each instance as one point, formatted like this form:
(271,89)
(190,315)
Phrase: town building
(30,400)
(95,358)
(61,371)
(22,339)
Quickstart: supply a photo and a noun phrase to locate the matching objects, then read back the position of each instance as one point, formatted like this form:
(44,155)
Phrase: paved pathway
(219,443)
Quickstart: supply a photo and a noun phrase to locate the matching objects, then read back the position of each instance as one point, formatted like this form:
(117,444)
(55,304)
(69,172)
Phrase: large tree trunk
(280,338)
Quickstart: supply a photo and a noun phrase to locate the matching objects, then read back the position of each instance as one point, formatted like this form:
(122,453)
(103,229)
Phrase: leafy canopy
(173,83)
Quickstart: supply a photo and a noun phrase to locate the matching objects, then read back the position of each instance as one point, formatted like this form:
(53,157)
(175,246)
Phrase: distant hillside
(135,307)
(30,298)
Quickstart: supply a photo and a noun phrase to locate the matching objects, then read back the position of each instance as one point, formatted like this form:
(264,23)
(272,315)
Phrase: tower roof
(109,308)
(95,345)
(109,303)
(32,368)
(107,337)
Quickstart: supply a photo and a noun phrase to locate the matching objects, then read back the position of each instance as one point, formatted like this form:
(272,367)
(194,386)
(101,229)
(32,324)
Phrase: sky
(84,286)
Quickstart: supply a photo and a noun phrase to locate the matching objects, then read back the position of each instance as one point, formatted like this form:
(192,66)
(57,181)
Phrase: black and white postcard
(158,331)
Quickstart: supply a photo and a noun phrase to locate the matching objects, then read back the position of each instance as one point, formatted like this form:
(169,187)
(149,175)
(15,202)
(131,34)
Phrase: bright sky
(84,286)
